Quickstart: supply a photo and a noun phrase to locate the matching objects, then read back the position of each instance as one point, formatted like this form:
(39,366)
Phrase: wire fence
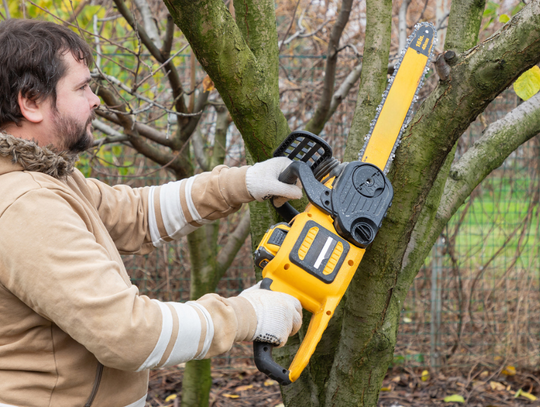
(475,300)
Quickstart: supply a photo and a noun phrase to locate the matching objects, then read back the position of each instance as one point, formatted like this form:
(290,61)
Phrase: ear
(32,110)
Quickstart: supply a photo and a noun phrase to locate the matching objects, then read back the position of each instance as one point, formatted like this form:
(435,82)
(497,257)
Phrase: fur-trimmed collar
(32,157)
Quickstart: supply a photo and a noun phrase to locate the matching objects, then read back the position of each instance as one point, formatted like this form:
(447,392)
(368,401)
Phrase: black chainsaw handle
(318,194)
(262,353)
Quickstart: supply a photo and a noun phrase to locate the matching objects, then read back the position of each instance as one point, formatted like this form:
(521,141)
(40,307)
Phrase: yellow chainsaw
(314,255)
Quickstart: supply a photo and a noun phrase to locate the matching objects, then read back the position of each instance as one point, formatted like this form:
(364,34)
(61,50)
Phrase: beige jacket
(67,306)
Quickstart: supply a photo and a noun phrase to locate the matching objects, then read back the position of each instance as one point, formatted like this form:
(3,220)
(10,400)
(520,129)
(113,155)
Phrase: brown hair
(31,62)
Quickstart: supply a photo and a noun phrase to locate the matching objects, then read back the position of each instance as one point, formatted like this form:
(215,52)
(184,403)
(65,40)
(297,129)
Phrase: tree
(240,54)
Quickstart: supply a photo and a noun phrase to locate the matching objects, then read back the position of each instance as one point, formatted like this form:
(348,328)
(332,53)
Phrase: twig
(149,23)
(151,102)
(358,55)
(79,28)
(290,25)
(6,7)
(77,11)
(159,67)
(402,23)
(421,15)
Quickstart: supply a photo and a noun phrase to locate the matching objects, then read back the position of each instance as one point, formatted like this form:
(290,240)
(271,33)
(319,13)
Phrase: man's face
(72,116)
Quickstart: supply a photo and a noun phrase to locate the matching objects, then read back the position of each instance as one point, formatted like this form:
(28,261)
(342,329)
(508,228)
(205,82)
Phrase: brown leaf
(497,386)
(243,388)
(208,84)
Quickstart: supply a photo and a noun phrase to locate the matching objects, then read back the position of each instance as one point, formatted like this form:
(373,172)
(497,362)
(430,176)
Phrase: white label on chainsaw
(323,256)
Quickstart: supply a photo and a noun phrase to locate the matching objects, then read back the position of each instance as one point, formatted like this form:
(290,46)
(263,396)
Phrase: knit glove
(262,181)
(279,315)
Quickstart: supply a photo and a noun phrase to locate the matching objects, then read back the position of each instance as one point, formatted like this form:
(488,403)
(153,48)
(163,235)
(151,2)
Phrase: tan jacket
(67,305)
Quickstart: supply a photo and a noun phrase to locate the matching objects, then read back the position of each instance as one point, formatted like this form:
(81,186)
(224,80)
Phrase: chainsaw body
(315,255)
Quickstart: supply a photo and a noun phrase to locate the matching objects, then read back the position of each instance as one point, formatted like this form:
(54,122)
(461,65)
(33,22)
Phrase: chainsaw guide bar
(396,108)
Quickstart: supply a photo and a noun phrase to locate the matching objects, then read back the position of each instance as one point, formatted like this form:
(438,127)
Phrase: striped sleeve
(200,329)
(178,208)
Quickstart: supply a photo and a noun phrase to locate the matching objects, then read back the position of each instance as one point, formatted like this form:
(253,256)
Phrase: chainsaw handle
(287,211)
(262,353)
(318,194)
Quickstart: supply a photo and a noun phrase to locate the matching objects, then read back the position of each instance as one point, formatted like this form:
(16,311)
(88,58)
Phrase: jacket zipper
(97,381)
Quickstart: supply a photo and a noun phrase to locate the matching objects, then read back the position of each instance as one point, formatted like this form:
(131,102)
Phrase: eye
(83,87)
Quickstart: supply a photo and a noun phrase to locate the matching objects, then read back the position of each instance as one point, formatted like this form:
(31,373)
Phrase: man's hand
(279,315)
(262,181)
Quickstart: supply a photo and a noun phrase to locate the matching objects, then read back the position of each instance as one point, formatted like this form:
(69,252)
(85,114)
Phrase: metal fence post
(436,284)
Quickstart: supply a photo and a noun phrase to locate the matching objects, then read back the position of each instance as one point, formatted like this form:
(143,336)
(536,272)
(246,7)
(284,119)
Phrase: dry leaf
(171,397)
(242,388)
(231,396)
(454,398)
(270,382)
(509,371)
(525,394)
(497,386)
(484,374)
(386,388)
(425,376)
(208,84)
(396,379)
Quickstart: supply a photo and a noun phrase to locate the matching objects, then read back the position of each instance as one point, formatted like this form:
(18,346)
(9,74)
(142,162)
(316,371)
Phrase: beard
(76,137)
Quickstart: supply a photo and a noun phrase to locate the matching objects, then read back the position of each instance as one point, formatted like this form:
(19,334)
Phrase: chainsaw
(314,254)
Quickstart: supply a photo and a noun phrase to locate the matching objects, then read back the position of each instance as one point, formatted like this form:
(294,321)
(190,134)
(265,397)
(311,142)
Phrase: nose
(94,100)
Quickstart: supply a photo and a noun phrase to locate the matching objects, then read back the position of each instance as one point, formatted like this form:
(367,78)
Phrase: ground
(478,386)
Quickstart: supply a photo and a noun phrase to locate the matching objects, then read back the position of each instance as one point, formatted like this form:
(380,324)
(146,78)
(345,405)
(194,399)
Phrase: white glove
(279,315)
(262,181)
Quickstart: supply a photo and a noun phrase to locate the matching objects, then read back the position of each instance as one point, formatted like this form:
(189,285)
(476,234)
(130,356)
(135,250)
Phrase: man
(73,330)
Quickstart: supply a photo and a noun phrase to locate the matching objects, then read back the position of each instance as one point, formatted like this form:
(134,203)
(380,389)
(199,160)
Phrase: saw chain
(314,254)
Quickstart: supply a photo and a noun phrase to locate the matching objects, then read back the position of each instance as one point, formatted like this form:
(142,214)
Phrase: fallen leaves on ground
(402,387)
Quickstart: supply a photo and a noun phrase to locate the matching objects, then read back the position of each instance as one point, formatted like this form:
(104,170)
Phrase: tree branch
(138,142)
(402,24)
(316,124)
(149,22)
(169,36)
(141,128)
(199,150)
(499,140)
(174,79)
(373,73)
(257,22)
(235,241)
(344,89)
(464,24)
(113,136)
